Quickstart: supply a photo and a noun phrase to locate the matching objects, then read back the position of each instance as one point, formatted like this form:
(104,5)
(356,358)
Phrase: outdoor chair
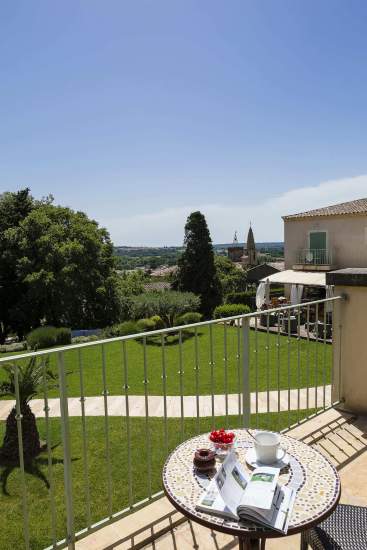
(345,529)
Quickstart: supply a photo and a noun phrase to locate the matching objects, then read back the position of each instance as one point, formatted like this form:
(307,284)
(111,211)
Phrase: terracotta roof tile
(352,207)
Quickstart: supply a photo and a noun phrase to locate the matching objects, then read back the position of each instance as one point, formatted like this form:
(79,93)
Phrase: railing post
(65,431)
(246,395)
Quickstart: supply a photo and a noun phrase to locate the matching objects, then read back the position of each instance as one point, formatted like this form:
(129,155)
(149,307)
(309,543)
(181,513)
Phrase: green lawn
(142,435)
(296,364)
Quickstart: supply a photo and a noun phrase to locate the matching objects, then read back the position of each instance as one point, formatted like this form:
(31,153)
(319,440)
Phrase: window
(318,240)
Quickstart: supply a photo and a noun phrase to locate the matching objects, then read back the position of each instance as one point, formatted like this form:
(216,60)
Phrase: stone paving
(266,401)
(341,437)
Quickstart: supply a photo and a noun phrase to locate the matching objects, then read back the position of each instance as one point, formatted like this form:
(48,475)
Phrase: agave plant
(31,379)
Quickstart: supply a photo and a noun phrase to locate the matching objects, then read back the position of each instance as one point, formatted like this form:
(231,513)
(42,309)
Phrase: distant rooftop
(358,206)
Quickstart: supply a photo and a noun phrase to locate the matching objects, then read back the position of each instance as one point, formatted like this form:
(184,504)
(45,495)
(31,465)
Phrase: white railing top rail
(165,330)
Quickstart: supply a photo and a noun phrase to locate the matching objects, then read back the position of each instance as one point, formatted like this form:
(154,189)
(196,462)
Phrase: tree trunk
(9,452)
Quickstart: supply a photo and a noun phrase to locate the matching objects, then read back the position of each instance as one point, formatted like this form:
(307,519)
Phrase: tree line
(57,267)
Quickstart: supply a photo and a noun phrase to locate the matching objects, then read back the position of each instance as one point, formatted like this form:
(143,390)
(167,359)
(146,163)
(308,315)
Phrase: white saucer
(252,461)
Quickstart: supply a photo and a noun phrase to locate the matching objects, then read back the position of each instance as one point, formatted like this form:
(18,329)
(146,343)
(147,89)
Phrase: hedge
(48,337)
(230,310)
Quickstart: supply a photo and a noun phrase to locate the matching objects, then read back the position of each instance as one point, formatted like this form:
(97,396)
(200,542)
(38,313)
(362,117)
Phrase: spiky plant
(31,379)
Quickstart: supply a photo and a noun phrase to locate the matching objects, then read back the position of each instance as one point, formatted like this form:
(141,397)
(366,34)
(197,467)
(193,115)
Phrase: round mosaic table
(315,479)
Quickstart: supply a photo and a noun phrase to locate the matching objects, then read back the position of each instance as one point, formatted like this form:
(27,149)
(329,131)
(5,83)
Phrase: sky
(139,112)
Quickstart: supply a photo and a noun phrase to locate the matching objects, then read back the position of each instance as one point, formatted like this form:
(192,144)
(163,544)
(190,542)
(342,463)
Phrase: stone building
(236,250)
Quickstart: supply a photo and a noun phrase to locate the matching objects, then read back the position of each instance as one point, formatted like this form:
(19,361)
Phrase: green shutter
(318,240)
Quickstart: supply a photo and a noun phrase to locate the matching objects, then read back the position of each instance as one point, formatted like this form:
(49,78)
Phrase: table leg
(251,544)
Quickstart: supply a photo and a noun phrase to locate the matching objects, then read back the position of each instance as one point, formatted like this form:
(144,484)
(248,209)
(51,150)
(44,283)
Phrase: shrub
(121,329)
(145,325)
(84,339)
(63,336)
(229,310)
(47,337)
(247,298)
(188,318)
(158,322)
(168,305)
(17,346)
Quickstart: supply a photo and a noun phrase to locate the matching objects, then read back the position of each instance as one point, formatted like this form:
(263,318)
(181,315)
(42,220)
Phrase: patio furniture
(345,529)
(310,473)
(270,318)
(290,324)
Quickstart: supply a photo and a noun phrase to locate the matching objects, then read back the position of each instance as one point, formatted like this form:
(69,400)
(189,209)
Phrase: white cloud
(166,227)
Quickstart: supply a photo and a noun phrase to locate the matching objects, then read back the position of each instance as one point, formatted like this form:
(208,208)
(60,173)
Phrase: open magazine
(233,494)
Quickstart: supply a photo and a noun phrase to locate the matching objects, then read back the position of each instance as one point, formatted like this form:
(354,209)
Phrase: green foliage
(121,329)
(158,322)
(31,379)
(56,266)
(240,297)
(232,278)
(168,305)
(230,310)
(189,318)
(48,337)
(129,285)
(196,269)
(147,257)
(14,208)
(145,325)
(247,297)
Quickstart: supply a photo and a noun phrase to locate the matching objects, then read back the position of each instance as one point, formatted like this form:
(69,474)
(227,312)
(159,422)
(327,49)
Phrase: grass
(273,363)
(141,435)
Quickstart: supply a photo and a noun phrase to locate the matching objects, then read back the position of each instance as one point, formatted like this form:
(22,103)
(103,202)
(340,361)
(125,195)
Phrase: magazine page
(232,482)
(278,516)
(261,488)
(211,502)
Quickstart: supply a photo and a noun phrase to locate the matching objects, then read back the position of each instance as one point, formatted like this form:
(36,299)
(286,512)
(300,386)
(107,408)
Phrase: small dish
(252,461)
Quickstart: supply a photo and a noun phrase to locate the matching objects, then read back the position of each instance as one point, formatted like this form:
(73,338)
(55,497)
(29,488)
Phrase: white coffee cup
(267,446)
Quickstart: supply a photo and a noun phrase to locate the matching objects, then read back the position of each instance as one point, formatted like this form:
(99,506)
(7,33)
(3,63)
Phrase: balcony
(313,259)
(121,405)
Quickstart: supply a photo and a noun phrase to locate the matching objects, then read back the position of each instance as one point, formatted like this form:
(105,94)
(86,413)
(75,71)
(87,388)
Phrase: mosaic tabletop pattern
(310,473)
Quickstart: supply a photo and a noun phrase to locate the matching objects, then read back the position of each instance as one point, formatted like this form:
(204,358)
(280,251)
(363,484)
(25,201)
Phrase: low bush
(48,337)
(247,298)
(240,297)
(188,318)
(158,322)
(145,325)
(229,310)
(121,329)
(85,339)
(17,346)
(63,336)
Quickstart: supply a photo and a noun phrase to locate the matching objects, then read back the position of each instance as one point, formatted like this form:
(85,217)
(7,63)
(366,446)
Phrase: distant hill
(153,250)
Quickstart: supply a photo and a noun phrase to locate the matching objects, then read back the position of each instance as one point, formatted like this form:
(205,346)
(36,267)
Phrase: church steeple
(250,256)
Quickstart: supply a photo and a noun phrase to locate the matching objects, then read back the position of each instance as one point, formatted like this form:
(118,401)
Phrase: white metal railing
(267,369)
(314,256)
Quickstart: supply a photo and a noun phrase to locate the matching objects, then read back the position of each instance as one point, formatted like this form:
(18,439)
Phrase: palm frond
(33,378)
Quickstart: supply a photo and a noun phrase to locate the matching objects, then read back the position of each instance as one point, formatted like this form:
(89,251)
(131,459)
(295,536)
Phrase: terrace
(123,404)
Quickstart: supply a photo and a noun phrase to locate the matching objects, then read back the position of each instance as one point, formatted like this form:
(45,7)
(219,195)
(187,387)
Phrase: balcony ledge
(340,436)
(313,267)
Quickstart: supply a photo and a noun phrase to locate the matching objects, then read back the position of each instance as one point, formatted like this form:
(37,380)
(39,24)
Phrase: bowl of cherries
(222,441)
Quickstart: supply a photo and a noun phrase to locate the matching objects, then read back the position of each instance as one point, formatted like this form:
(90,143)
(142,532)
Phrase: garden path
(293,399)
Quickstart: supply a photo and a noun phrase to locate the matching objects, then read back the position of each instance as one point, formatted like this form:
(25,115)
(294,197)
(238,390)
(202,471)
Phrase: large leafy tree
(66,263)
(232,278)
(61,266)
(14,208)
(196,268)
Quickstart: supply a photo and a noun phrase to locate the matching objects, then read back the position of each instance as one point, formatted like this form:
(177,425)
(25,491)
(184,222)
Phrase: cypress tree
(196,269)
